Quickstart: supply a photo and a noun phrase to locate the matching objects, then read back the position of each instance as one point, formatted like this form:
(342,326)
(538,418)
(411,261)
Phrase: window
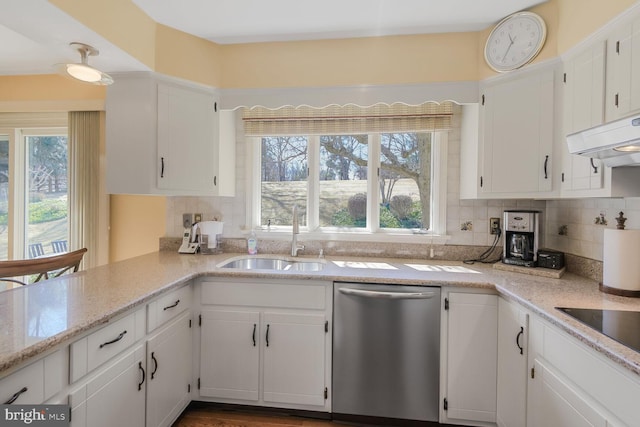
(378,176)
(34,206)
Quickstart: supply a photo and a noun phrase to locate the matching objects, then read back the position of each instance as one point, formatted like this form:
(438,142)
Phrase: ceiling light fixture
(83,71)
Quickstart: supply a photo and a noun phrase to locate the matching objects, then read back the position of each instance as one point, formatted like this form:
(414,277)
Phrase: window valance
(347,119)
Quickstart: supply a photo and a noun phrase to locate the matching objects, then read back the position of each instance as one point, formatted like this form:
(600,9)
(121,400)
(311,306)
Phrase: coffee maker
(521,234)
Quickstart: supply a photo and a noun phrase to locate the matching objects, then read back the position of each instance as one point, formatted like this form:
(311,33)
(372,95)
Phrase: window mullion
(373,186)
(313,182)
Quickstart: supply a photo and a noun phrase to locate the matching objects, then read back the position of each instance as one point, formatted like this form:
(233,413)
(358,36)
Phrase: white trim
(364,95)
(372,232)
(355,236)
(373,183)
(313,182)
(439,154)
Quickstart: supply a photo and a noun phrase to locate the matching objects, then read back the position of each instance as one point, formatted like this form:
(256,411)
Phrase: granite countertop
(36,319)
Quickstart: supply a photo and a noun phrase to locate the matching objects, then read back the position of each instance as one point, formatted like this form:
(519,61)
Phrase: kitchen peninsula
(71,307)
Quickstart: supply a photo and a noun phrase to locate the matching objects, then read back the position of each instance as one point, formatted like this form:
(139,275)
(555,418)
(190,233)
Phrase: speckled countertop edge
(135,282)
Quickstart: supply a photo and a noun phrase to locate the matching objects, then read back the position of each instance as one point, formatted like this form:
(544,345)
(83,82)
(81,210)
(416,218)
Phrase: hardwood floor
(204,416)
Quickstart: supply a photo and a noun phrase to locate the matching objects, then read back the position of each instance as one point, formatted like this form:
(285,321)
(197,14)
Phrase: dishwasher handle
(386,294)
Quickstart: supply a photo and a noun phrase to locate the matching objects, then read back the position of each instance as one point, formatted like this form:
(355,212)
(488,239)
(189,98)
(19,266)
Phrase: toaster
(548,258)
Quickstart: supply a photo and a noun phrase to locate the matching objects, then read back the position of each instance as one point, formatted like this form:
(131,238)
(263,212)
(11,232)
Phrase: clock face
(515,41)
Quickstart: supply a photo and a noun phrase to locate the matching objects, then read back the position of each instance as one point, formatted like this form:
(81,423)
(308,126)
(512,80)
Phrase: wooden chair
(59,246)
(44,267)
(36,250)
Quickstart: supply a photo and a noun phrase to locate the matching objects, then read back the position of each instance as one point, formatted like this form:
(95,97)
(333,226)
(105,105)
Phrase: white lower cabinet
(469,354)
(114,397)
(266,344)
(294,358)
(512,365)
(36,382)
(229,354)
(169,372)
(558,404)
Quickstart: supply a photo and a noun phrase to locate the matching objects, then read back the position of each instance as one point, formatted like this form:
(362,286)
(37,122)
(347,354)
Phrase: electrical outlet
(197,217)
(494,225)
(187,220)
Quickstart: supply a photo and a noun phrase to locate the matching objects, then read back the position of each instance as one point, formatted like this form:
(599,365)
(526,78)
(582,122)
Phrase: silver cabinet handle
(384,294)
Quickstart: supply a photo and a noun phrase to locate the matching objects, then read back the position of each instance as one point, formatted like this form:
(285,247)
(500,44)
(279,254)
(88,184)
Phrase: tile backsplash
(467,220)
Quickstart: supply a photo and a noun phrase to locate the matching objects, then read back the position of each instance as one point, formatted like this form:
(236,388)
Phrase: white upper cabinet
(584,77)
(516,136)
(593,80)
(168,137)
(623,71)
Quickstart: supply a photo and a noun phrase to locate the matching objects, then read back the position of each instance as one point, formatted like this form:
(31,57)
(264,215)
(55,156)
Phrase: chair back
(44,267)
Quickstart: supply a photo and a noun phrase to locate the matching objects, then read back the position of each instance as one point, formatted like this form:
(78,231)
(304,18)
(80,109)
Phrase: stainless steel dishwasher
(386,352)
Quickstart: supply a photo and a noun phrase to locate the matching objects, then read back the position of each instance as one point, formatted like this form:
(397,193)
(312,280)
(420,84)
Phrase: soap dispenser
(252,243)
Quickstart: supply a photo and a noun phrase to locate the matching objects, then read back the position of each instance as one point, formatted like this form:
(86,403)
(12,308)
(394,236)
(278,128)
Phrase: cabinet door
(116,397)
(229,354)
(512,365)
(294,358)
(518,136)
(169,362)
(186,137)
(623,66)
(556,403)
(471,357)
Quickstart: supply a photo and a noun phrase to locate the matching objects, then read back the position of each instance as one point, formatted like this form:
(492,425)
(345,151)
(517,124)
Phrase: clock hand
(512,40)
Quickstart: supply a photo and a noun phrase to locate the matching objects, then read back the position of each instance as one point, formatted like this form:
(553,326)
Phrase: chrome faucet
(295,247)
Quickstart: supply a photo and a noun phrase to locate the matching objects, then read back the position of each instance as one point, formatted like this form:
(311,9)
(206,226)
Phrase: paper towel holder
(620,219)
(619,292)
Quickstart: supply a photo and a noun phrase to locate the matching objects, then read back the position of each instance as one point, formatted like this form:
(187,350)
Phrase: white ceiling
(35,35)
(240,21)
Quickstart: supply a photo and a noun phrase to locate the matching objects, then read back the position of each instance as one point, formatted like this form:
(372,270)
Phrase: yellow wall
(579,18)
(372,60)
(47,87)
(182,55)
(137,222)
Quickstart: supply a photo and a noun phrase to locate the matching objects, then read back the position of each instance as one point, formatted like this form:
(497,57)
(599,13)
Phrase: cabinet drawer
(25,386)
(95,349)
(168,306)
(308,296)
(610,385)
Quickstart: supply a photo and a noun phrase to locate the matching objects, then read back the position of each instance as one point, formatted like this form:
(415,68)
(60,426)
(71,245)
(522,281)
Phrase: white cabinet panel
(169,374)
(115,397)
(25,386)
(294,358)
(471,357)
(229,354)
(186,136)
(623,69)
(512,365)
(556,403)
(265,343)
(165,136)
(517,134)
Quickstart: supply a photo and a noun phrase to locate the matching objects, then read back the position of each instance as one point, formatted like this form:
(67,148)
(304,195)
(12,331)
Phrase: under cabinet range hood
(615,144)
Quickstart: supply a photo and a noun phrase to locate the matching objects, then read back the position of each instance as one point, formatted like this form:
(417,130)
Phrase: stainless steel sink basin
(278,264)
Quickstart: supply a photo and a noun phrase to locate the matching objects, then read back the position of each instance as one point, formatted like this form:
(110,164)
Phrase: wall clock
(515,41)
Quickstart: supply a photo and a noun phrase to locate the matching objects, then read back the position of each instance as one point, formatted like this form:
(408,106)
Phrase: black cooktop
(622,326)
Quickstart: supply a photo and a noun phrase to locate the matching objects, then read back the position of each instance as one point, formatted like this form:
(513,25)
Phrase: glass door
(46,194)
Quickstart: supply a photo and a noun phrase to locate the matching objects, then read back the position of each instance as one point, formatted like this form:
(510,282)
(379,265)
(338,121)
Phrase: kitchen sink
(278,264)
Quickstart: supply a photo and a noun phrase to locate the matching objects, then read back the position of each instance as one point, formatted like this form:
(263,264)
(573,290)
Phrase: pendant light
(83,71)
